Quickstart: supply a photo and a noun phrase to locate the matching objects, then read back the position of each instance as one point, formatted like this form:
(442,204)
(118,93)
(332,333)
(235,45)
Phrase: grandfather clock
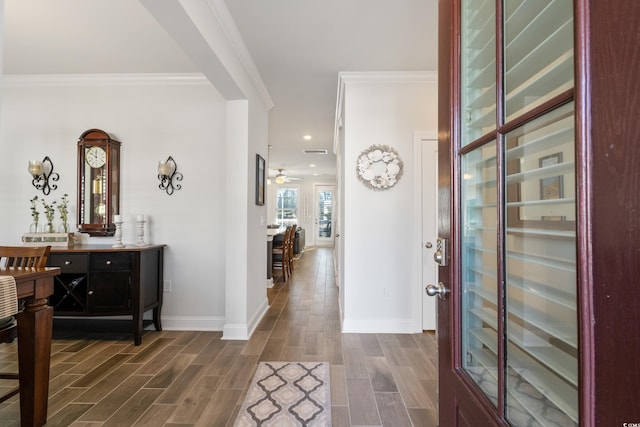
(98,182)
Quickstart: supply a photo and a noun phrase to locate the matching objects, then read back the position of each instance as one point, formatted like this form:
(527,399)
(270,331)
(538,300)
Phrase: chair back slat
(24,256)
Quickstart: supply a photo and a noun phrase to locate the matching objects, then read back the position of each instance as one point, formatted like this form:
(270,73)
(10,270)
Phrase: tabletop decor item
(117,220)
(35,215)
(49,212)
(379,167)
(140,230)
(63,209)
(46,235)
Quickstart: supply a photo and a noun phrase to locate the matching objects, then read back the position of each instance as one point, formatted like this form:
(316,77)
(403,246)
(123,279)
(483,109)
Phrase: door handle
(440,290)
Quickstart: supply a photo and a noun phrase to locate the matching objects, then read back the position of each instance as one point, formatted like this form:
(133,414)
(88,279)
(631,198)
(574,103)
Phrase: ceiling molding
(369,77)
(387,77)
(136,79)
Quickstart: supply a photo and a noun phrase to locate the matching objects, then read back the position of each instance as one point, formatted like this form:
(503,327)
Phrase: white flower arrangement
(379,167)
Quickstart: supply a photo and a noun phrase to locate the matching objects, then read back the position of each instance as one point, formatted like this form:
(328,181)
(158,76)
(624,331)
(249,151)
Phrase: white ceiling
(298,46)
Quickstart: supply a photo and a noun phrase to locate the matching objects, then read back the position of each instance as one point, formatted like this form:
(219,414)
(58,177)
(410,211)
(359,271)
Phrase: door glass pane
(538,38)
(541,374)
(325,213)
(478,84)
(479,269)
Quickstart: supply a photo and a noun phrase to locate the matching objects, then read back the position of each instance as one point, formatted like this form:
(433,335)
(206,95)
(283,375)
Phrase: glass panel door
(515,222)
(324,215)
(541,374)
(479,331)
(478,85)
(538,43)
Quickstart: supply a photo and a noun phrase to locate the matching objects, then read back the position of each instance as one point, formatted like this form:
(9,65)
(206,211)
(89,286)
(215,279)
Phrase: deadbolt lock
(440,255)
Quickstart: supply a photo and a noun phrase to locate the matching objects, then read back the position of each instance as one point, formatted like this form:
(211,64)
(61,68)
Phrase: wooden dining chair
(292,239)
(15,257)
(280,255)
(24,256)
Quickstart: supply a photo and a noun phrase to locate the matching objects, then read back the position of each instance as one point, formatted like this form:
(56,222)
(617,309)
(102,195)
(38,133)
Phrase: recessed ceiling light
(307,137)
(312,165)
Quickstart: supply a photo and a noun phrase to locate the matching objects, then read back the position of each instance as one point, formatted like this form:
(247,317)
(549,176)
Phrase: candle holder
(169,176)
(118,235)
(42,173)
(140,231)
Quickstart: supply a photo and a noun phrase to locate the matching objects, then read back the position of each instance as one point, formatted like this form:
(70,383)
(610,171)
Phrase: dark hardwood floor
(178,378)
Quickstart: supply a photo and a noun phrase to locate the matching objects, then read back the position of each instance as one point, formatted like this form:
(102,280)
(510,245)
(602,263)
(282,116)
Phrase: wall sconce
(167,172)
(42,172)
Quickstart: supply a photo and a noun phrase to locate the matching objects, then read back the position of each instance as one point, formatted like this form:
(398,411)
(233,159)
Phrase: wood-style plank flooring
(178,378)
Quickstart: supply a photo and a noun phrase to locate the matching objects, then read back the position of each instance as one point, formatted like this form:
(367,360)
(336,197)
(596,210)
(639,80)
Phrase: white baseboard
(377,326)
(196,323)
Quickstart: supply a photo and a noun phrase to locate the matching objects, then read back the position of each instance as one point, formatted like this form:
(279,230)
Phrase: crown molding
(387,77)
(142,79)
(373,77)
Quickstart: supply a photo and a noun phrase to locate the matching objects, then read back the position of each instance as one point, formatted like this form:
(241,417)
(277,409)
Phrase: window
(286,206)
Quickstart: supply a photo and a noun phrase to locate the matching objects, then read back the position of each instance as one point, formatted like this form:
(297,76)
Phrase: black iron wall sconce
(167,173)
(42,172)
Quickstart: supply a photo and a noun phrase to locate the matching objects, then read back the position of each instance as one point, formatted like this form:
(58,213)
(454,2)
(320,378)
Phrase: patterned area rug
(286,394)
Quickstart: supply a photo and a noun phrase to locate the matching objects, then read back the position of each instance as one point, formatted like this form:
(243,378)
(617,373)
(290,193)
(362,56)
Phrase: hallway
(376,379)
(185,378)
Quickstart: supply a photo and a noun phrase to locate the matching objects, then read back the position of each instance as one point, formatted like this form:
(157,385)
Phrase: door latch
(440,255)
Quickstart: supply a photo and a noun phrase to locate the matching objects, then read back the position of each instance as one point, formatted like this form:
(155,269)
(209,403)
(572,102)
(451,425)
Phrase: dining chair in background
(292,238)
(280,255)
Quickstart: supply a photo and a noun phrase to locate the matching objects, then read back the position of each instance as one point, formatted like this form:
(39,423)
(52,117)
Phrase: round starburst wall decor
(379,167)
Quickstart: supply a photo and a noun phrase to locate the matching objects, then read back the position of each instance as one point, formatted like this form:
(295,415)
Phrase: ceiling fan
(281,177)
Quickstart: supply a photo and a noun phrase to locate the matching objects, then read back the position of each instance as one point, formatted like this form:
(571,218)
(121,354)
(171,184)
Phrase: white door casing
(324,214)
(426,163)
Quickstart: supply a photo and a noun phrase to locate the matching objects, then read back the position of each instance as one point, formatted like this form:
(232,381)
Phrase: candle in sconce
(139,217)
(35,167)
(117,218)
(163,168)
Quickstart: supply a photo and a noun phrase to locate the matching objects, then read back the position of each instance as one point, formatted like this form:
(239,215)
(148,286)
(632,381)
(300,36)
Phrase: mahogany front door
(507,284)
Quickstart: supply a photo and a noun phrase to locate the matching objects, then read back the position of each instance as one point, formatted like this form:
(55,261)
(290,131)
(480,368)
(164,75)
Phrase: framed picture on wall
(260,178)
(551,188)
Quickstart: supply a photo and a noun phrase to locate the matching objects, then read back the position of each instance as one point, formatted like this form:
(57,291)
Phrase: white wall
(217,275)
(153,119)
(379,228)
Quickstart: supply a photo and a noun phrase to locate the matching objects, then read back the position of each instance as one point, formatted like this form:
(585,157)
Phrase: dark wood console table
(98,280)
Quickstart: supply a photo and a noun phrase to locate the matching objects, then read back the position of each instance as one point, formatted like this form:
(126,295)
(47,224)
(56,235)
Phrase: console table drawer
(70,263)
(110,261)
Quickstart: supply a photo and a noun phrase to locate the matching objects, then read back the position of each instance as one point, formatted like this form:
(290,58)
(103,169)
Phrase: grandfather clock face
(98,182)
